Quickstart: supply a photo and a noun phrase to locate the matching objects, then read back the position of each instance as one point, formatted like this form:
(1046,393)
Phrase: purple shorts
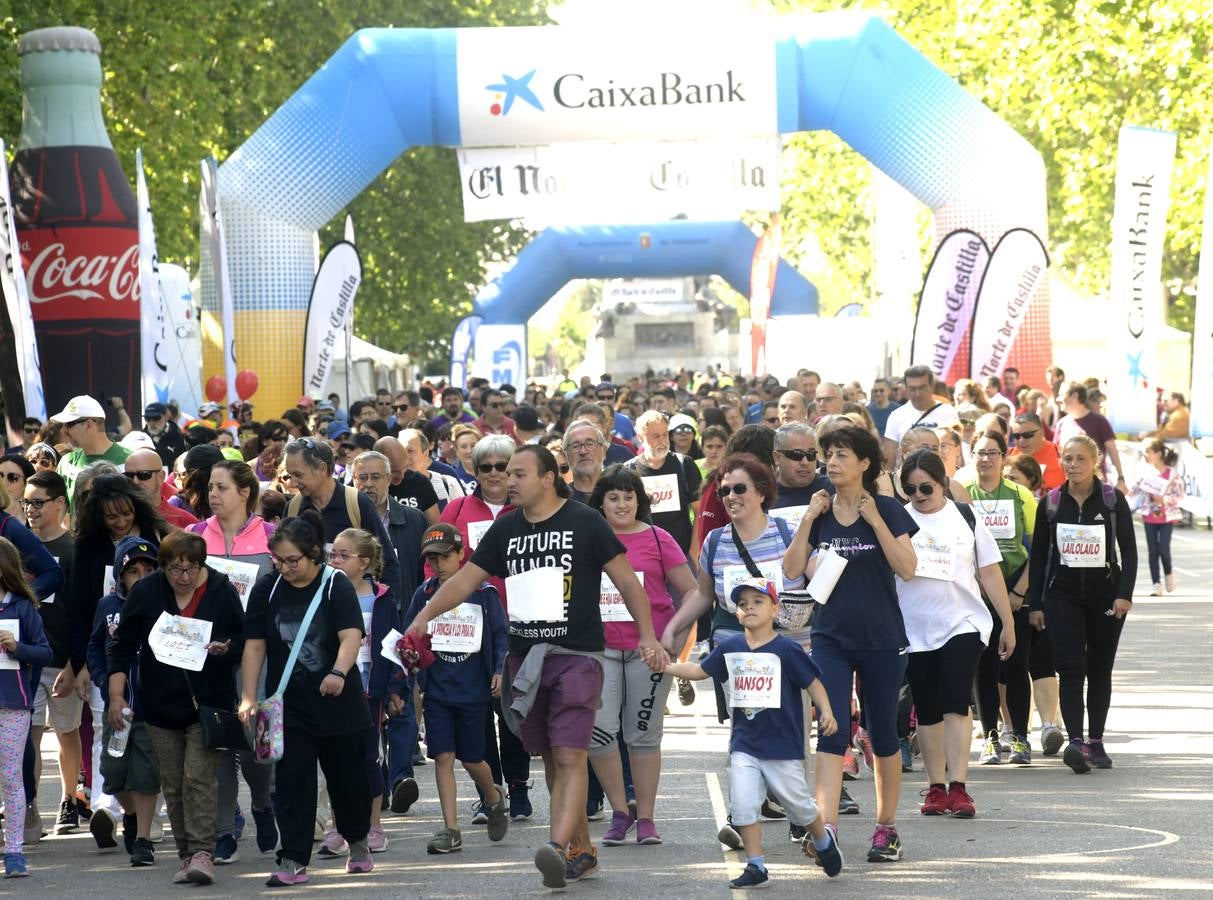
(566,703)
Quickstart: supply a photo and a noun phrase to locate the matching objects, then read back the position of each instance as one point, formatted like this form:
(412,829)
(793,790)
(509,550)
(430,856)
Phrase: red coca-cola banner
(95,276)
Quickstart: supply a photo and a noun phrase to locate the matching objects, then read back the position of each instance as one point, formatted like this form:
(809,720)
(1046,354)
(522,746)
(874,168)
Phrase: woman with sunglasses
(920,438)
(633,696)
(325,717)
(473,515)
(235,532)
(14,470)
(1009,512)
(43,457)
(169,696)
(684,436)
(947,624)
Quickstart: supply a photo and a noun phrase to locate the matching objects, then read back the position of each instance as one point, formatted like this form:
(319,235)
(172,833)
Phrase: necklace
(981,504)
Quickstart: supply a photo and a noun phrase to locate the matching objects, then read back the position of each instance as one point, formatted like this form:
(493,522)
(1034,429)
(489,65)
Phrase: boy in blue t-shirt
(469,645)
(763,674)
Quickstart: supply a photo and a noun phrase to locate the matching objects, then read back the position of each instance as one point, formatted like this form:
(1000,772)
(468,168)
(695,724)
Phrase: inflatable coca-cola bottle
(77,223)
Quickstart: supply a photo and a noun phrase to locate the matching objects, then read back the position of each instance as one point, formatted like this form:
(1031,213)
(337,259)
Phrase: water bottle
(119,739)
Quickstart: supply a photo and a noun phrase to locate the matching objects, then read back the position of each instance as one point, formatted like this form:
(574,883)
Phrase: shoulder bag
(268,737)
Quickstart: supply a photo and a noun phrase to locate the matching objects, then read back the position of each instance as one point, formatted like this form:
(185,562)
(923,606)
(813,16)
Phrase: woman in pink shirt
(633,697)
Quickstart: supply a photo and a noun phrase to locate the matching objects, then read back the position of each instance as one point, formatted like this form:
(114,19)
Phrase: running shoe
(142,853)
(376,840)
(829,858)
(960,804)
(991,751)
(182,875)
(360,860)
(1004,740)
(499,817)
(1170,581)
(1157,591)
(863,743)
(69,818)
(907,756)
(646,832)
(1098,755)
(935,802)
(797,833)
(404,795)
(1077,757)
(772,810)
(617,833)
(102,827)
(809,850)
(1021,750)
(333,845)
(751,877)
(130,828)
(520,802)
(686,692)
(1051,739)
(14,865)
(84,805)
(886,845)
(201,869)
(288,874)
(226,850)
(550,862)
(267,829)
(593,811)
(33,831)
(581,865)
(238,823)
(729,837)
(847,806)
(448,840)
(850,766)
(480,813)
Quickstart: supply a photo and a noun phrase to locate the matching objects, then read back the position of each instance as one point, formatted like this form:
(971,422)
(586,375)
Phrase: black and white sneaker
(69,817)
(847,805)
(796,833)
(752,877)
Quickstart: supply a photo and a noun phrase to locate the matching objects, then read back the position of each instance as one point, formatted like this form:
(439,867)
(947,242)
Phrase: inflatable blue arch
(386,90)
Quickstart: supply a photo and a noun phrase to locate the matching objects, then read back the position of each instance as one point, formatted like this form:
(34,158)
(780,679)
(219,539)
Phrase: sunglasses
(799,455)
(144,475)
(683,429)
(926,489)
(12,477)
(725,489)
(485,468)
(30,430)
(400,407)
(607,397)
(1025,435)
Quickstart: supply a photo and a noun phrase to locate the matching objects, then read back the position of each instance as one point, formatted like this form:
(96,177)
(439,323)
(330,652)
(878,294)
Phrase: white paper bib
(663,492)
(459,630)
(1081,546)
(936,558)
(610,601)
(755,679)
(536,595)
(998,516)
(476,531)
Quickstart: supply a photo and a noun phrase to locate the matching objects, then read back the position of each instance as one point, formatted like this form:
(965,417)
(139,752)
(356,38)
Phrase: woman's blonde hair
(367,546)
(1087,442)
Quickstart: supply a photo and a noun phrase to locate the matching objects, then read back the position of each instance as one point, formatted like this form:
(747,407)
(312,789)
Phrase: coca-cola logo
(55,276)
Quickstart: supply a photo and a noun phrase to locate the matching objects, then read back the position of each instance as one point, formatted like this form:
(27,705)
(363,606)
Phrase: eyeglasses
(987,454)
(400,407)
(725,489)
(35,504)
(142,475)
(184,571)
(485,468)
(28,430)
(340,556)
(926,489)
(1025,435)
(583,446)
(12,477)
(287,562)
(799,455)
(363,477)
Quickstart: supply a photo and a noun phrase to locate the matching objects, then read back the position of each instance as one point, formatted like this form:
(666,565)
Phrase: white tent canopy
(372,368)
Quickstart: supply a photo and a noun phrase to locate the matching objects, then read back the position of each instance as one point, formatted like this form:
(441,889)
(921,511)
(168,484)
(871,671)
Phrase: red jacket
(462,512)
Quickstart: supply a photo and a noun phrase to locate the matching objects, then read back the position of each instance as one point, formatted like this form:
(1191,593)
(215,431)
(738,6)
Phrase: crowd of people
(530,578)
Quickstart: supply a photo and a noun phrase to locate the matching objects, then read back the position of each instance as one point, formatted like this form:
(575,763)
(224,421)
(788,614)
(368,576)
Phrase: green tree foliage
(187,80)
(1066,74)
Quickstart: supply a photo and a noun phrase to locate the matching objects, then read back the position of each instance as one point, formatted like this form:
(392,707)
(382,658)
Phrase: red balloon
(216,389)
(246,383)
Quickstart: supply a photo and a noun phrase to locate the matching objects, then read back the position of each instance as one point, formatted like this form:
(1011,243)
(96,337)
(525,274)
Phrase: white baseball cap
(82,407)
(137,440)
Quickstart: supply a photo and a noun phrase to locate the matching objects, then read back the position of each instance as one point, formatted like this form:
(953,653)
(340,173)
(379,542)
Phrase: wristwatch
(338,673)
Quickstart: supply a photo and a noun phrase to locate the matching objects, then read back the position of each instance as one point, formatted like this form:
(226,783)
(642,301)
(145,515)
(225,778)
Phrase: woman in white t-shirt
(947,624)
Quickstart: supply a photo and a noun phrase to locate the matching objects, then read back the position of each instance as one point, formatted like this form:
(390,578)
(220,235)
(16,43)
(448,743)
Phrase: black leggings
(1085,638)
(1040,657)
(940,679)
(990,670)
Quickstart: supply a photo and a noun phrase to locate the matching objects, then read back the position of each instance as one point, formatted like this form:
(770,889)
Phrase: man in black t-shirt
(552,554)
(670,479)
(409,487)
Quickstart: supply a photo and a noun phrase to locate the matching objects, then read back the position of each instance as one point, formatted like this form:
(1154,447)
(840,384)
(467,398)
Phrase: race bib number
(364,651)
(537,595)
(13,625)
(1081,546)
(476,531)
(998,516)
(1151,484)
(610,601)
(459,630)
(663,492)
(734,575)
(180,641)
(936,558)
(755,679)
(108,582)
(242,575)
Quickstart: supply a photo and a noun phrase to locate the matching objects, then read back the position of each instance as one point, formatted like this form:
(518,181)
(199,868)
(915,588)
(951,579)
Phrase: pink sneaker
(850,767)
(646,832)
(333,845)
(289,873)
(376,839)
(863,743)
(621,824)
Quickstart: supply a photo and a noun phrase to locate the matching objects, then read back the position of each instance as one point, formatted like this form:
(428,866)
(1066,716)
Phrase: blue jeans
(1158,545)
(402,733)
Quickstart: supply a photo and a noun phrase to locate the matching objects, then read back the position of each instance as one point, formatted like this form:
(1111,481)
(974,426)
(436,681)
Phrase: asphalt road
(1135,831)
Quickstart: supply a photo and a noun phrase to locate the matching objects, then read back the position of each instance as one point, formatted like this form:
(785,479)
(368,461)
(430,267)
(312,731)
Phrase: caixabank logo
(574,90)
